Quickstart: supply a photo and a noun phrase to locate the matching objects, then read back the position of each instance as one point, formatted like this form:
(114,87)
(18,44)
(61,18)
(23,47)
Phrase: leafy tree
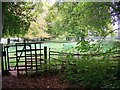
(53,19)
(17,17)
(77,18)
(37,28)
(36,31)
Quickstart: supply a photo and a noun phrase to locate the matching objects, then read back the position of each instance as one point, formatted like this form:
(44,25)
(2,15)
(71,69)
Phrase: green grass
(58,46)
(54,46)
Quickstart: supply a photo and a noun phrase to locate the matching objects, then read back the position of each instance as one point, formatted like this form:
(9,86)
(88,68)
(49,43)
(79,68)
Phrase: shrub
(91,73)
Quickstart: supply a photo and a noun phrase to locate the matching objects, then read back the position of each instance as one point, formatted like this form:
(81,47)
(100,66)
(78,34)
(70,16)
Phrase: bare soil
(28,82)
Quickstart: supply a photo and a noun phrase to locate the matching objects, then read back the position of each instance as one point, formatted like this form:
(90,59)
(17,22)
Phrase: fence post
(25,59)
(45,57)
(45,54)
(36,58)
(17,60)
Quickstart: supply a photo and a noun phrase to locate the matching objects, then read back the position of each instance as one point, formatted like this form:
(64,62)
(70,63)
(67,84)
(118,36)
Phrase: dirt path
(12,81)
(32,82)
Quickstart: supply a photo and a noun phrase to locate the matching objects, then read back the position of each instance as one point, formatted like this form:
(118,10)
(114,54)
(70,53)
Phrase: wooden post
(36,58)
(45,54)
(31,56)
(45,57)
(40,57)
(17,60)
(25,59)
(40,53)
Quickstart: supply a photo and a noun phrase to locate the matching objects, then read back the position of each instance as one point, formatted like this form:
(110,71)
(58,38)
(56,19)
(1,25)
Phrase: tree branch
(104,38)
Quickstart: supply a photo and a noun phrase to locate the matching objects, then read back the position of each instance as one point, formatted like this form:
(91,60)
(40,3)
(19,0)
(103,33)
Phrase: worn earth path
(28,82)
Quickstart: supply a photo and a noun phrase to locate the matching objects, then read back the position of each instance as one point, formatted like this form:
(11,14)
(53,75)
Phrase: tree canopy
(79,18)
(76,19)
(17,17)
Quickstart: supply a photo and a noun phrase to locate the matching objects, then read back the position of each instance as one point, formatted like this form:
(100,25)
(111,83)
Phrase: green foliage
(91,73)
(77,18)
(110,46)
(83,46)
(98,47)
(94,71)
(17,17)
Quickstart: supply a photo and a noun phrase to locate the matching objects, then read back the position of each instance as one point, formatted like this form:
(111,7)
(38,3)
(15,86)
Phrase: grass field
(54,46)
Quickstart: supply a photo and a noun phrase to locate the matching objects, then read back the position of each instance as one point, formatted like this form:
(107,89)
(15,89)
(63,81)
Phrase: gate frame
(5,54)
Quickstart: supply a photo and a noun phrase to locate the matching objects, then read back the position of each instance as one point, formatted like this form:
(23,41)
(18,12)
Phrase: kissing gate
(24,57)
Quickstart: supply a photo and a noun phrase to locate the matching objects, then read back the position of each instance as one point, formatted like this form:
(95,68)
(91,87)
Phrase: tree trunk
(1,21)
(1,28)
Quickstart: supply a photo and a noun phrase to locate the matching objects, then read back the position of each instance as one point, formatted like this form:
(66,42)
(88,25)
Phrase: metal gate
(25,57)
